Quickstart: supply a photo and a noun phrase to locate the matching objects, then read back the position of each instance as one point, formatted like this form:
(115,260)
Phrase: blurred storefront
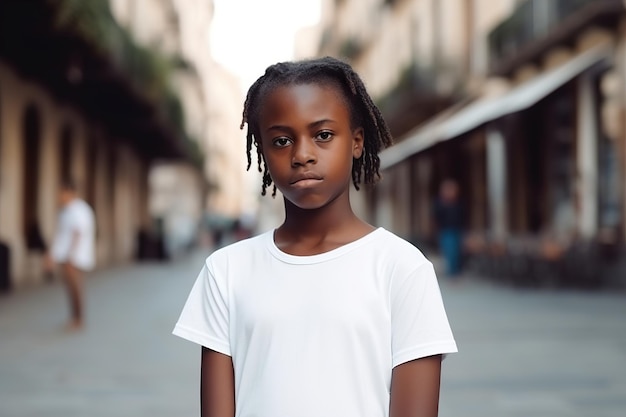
(80,100)
(522,103)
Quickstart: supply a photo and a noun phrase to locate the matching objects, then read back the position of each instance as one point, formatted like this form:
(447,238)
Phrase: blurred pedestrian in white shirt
(73,248)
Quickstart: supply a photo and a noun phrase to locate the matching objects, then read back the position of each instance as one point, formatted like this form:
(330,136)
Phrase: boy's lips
(305,178)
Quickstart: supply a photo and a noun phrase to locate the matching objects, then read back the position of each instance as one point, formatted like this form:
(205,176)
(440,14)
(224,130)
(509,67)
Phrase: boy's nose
(303,153)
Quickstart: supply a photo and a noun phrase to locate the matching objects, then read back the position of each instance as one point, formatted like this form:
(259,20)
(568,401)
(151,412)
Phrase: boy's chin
(306,203)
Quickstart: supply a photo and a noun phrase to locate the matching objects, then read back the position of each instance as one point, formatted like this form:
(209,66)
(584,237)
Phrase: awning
(474,115)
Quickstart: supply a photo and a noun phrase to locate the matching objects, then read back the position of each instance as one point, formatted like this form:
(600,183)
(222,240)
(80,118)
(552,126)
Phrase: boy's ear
(358,141)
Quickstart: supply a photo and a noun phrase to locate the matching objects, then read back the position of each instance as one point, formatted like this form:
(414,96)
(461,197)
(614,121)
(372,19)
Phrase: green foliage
(351,48)
(327,37)
(148,70)
(194,151)
(177,116)
(93,21)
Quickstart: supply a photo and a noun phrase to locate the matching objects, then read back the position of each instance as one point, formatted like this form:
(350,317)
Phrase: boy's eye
(324,136)
(281,142)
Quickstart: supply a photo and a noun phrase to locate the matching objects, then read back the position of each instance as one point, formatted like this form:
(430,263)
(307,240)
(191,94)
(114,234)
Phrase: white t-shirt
(317,335)
(75,217)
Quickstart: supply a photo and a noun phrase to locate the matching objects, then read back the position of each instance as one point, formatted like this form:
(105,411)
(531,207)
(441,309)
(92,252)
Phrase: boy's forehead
(304,92)
(307,90)
(302,97)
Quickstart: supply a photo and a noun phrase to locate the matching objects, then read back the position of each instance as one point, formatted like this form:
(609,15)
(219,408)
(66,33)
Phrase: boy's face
(308,143)
(65,196)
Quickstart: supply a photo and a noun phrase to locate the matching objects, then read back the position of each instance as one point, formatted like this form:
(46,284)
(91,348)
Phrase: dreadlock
(363,111)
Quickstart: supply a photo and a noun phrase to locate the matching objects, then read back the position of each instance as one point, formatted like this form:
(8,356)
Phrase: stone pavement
(527,353)
(523,353)
(126,363)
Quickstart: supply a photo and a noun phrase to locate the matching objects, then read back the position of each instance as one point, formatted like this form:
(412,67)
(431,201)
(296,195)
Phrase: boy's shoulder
(397,243)
(399,251)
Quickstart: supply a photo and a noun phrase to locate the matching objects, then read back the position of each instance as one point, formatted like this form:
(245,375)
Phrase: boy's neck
(335,221)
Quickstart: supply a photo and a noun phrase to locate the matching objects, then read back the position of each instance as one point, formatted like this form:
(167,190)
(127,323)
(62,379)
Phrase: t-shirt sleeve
(419,323)
(82,221)
(205,319)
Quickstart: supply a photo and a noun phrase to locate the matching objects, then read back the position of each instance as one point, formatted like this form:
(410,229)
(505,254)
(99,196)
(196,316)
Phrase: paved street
(523,353)
(126,363)
(535,353)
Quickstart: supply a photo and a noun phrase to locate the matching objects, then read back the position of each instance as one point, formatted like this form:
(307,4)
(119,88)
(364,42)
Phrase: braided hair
(331,71)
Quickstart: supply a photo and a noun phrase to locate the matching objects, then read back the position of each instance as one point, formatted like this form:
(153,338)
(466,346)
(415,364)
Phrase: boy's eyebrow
(311,125)
(279,127)
(321,122)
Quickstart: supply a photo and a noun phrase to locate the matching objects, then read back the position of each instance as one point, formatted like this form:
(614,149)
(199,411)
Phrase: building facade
(521,102)
(212,101)
(72,111)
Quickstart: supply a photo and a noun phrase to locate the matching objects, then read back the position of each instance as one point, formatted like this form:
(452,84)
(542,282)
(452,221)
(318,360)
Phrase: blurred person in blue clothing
(449,224)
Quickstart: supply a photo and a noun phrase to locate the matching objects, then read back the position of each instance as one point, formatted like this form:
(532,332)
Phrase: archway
(31,131)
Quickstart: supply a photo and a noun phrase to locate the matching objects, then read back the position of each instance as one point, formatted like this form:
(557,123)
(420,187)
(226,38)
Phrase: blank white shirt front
(317,335)
(76,219)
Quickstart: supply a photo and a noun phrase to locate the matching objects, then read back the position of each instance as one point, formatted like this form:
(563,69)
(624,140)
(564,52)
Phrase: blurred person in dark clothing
(73,248)
(449,224)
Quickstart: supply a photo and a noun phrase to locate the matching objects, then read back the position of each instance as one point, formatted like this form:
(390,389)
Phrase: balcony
(79,53)
(412,100)
(537,25)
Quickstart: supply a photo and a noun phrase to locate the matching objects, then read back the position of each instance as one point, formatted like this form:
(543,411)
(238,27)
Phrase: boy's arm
(415,388)
(217,385)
